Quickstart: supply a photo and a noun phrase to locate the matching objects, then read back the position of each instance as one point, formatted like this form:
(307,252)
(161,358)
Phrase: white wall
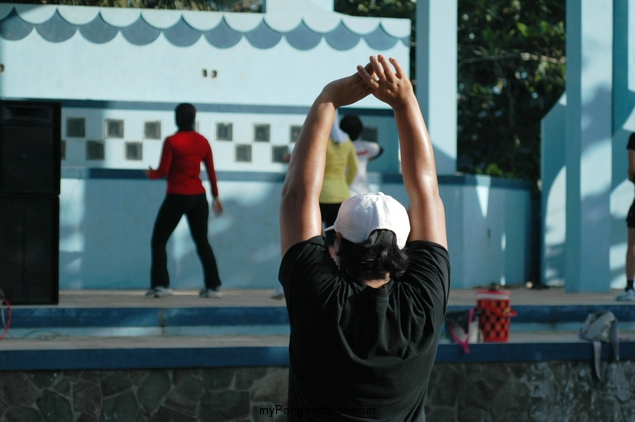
(118,70)
(224,151)
(106,224)
(118,79)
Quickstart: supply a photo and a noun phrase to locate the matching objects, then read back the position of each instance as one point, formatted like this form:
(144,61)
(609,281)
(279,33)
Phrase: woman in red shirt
(181,160)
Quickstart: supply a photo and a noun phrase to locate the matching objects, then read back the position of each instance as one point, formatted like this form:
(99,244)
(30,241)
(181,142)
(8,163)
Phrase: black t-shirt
(631,145)
(363,352)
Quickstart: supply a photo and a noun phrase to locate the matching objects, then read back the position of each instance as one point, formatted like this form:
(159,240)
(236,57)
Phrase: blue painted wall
(106,220)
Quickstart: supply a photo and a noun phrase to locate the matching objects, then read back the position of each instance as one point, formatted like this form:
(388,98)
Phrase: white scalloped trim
(398,28)
(203,21)
(161,19)
(243,22)
(323,23)
(120,17)
(33,13)
(282,22)
(301,7)
(78,15)
(360,25)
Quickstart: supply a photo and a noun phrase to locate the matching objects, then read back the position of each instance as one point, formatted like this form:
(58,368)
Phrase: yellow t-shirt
(339,172)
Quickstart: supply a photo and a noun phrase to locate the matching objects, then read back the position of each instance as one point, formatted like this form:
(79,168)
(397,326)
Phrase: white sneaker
(159,292)
(627,296)
(210,293)
(278,294)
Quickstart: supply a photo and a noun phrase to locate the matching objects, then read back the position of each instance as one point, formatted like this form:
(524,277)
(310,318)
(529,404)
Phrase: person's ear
(338,242)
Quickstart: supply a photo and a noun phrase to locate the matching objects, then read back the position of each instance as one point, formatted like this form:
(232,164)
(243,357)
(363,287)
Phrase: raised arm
(299,210)
(426,211)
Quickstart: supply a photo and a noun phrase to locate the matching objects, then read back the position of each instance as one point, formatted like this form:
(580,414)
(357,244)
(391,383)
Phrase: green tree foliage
(511,69)
(209,5)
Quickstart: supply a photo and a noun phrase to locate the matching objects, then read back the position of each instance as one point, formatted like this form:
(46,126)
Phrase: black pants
(329,215)
(196,209)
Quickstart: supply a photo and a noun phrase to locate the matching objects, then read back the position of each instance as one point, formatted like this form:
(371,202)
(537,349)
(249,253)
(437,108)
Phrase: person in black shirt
(629,293)
(364,327)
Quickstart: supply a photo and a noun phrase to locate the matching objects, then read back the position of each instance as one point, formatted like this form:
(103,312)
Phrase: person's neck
(378,283)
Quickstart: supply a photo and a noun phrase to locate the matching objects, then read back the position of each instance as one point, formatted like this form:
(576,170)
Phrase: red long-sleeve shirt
(181,162)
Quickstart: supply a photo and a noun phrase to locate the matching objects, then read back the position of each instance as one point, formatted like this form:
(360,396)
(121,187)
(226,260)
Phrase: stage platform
(121,329)
(259,298)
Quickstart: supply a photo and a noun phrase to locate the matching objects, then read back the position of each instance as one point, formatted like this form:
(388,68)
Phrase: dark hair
(352,125)
(185,116)
(374,258)
(329,238)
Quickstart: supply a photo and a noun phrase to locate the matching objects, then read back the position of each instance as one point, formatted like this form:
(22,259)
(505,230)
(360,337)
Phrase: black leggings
(196,209)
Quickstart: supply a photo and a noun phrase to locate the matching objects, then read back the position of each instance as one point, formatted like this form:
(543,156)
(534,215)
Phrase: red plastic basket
(494,321)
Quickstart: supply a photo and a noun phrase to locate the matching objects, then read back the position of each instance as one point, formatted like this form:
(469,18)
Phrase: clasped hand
(391,87)
(377,78)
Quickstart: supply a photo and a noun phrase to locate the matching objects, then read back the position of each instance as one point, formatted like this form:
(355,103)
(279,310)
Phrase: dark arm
(426,211)
(300,217)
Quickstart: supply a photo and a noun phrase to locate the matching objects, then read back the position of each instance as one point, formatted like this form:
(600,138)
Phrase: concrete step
(122,329)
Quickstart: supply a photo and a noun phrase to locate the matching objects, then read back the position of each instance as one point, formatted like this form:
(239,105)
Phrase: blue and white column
(588,150)
(437,76)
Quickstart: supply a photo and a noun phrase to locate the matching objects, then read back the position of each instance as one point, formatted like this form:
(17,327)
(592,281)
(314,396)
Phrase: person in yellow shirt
(339,173)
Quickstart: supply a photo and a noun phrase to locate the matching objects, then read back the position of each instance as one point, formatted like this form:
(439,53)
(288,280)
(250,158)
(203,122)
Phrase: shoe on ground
(627,296)
(277,295)
(210,293)
(159,292)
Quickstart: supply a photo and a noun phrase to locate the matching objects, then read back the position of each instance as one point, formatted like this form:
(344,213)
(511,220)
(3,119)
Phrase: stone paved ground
(493,392)
(206,395)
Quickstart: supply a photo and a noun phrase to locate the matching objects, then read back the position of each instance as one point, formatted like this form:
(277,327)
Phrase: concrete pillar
(437,76)
(588,147)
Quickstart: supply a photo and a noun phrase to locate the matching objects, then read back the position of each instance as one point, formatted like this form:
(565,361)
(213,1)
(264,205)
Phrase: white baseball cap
(360,215)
